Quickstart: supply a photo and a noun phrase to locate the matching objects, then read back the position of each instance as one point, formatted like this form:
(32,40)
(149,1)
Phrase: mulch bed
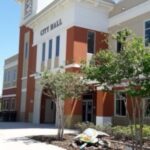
(68,139)
(65,143)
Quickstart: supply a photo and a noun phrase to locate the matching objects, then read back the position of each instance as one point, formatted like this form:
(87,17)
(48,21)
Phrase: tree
(130,69)
(60,86)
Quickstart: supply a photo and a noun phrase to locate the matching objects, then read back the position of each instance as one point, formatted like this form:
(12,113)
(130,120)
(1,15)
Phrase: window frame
(50,47)
(43,51)
(26,50)
(115,104)
(145,99)
(145,33)
(57,46)
(90,31)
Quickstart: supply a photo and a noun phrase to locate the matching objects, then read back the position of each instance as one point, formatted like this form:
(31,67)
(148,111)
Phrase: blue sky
(9,32)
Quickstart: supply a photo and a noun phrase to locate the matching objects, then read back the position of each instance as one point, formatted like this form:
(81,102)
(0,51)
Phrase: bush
(146,131)
(118,132)
(121,132)
(81,126)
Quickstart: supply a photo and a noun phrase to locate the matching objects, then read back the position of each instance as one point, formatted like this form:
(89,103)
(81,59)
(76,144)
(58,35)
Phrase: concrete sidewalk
(14,136)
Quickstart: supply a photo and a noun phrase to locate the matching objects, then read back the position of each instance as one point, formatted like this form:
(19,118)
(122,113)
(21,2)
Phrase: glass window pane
(50,49)
(147,106)
(117,107)
(91,41)
(26,50)
(43,52)
(147,24)
(57,45)
(147,37)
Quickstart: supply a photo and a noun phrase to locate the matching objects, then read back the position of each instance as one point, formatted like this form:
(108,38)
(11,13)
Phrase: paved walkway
(14,136)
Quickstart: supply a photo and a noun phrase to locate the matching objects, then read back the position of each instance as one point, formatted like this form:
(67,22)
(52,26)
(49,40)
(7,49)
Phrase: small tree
(130,69)
(60,86)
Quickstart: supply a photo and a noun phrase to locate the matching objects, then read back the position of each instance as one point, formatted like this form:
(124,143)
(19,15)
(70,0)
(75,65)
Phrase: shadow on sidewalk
(23,125)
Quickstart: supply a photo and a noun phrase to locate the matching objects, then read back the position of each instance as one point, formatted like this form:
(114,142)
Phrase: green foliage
(118,132)
(63,85)
(81,126)
(103,68)
(124,132)
(131,65)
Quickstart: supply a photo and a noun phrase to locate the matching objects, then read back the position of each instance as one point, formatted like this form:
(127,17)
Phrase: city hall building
(56,33)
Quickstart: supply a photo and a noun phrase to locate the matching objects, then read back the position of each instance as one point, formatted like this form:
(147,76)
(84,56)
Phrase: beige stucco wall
(137,25)
(12,81)
(10,66)
(11,59)
(126,4)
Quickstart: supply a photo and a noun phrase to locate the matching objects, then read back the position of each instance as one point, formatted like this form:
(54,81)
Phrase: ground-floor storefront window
(147,107)
(120,98)
(87,108)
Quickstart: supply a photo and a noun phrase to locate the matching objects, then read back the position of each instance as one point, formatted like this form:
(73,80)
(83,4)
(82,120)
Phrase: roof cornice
(130,14)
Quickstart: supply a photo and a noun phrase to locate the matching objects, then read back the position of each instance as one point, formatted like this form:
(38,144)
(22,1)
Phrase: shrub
(118,132)
(81,126)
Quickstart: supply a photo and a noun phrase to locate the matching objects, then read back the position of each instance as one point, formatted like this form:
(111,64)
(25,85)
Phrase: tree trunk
(140,118)
(134,123)
(60,118)
(130,121)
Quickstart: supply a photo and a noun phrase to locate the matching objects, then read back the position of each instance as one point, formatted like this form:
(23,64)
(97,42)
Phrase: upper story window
(91,42)
(57,46)
(5,76)
(8,76)
(43,51)
(119,44)
(119,104)
(50,49)
(26,51)
(147,33)
(14,75)
(28,8)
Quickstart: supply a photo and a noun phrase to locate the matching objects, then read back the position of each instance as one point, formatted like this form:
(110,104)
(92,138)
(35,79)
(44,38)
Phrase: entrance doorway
(48,110)
(87,108)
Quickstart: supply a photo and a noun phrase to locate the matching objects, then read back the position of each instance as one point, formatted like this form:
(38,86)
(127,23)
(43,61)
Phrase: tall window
(147,33)
(57,46)
(43,52)
(91,42)
(26,50)
(147,107)
(14,75)
(119,44)
(50,49)
(119,47)
(119,104)
(8,76)
(5,76)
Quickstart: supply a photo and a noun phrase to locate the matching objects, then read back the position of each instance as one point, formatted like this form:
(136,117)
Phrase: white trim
(24,90)
(102,120)
(12,87)
(12,64)
(10,95)
(130,13)
(72,66)
(23,78)
(115,98)
(32,75)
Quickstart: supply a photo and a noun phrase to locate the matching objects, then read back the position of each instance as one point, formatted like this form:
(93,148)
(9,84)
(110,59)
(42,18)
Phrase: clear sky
(9,32)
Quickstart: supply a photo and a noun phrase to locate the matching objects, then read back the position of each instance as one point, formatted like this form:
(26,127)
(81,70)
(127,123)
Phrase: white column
(37,102)
(102,120)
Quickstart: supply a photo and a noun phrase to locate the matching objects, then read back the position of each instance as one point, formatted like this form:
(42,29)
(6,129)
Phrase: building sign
(51,27)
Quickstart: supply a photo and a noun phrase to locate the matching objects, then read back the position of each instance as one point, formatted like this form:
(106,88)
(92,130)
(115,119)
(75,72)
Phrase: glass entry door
(87,108)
